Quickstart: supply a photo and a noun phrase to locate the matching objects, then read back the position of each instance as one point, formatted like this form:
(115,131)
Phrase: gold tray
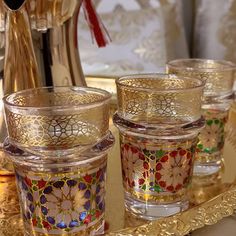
(211,199)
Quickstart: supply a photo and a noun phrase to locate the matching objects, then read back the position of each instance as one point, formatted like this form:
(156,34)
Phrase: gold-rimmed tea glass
(52,119)
(58,140)
(159,118)
(219,78)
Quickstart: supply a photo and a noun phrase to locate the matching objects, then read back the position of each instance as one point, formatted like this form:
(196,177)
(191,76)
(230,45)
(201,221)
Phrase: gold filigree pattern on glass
(57,118)
(136,103)
(218,91)
(158,136)
(211,71)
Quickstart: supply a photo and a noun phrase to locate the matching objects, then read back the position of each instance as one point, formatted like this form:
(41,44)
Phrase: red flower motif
(131,183)
(164,159)
(41,183)
(182,152)
(88,219)
(34,222)
(179,186)
(97,214)
(175,172)
(173,153)
(146,165)
(88,178)
(46,225)
(170,188)
(141,181)
(145,174)
(162,184)
(158,166)
(134,150)
(28,181)
(158,176)
(98,174)
(141,156)
(126,146)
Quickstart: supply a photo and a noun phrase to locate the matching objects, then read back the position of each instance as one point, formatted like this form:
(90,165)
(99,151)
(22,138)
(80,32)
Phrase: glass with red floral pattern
(218,91)
(159,119)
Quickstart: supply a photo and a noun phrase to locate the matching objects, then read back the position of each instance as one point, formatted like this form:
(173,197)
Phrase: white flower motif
(175,170)
(130,155)
(63,203)
(211,135)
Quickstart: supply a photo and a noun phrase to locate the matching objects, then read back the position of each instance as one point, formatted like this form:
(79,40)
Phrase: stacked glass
(159,119)
(218,91)
(58,139)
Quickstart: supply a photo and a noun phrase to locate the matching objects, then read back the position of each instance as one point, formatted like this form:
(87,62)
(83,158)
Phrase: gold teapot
(40,44)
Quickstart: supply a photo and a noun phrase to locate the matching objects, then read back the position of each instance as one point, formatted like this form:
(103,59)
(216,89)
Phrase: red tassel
(98,30)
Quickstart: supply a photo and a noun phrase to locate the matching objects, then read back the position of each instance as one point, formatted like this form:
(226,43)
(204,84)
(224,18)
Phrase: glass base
(205,169)
(150,211)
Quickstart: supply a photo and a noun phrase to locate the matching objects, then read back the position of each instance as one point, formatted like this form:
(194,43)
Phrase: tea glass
(218,91)
(159,119)
(56,120)
(58,143)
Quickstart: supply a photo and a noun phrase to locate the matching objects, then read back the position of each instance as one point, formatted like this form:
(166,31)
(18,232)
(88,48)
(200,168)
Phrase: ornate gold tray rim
(207,213)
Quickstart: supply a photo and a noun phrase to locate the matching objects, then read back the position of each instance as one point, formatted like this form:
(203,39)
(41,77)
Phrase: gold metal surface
(46,14)
(20,68)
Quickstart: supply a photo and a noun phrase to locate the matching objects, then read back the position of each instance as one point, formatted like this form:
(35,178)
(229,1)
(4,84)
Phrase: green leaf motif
(200,146)
(157,188)
(209,122)
(146,152)
(160,153)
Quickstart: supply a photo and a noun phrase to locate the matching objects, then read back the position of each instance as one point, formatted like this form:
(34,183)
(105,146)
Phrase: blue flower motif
(58,184)
(82,215)
(71,182)
(62,225)
(48,190)
(87,194)
(44,210)
(101,206)
(51,220)
(24,186)
(87,205)
(30,197)
(28,215)
(32,208)
(74,223)
(82,186)
(43,199)
(98,189)
(98,198)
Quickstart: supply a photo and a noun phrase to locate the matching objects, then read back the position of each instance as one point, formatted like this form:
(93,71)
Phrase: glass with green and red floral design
(159,119)
(218,91)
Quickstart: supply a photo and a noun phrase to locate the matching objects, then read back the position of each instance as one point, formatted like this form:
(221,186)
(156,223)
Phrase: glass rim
(156,76)
(106,94)
(224,64)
